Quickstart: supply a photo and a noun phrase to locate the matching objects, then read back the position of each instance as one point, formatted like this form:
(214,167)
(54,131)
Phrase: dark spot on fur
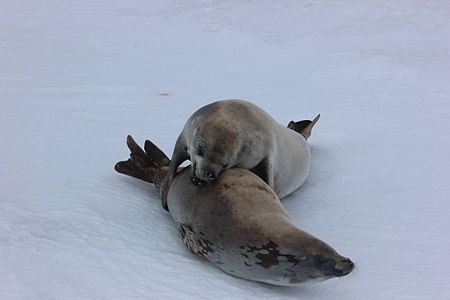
(201,247)
(292,259)
(206,246)
(267,260)
(247,264)
(269,255)
(245,255)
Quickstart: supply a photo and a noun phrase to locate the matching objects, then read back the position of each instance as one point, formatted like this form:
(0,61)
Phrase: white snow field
(77,76)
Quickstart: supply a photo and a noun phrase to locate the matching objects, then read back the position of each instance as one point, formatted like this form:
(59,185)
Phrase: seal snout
(334,267)
(343,267)
(202,177)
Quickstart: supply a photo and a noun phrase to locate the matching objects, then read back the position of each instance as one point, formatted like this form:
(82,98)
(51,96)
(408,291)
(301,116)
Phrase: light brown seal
(238,223)
(237,133)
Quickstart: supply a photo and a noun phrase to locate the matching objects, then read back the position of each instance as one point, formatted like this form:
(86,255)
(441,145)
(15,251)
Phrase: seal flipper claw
(304,127)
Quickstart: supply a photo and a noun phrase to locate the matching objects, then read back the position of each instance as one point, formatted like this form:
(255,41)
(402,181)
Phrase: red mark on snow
(165,94)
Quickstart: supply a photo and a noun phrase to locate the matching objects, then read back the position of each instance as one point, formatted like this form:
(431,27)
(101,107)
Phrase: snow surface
(77,76)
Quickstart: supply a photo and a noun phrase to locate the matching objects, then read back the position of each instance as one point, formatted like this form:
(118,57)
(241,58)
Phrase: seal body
(237,133)
(238,223)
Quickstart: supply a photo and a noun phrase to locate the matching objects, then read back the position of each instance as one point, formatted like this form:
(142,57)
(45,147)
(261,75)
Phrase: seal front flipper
(179,155)
(264,170)
(304,127)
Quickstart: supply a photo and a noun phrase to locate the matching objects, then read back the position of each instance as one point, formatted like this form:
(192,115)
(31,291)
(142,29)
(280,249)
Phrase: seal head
(209,156)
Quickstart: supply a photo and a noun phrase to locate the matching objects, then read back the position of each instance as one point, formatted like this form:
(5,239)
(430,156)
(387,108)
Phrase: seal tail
(304,127)
(151,165)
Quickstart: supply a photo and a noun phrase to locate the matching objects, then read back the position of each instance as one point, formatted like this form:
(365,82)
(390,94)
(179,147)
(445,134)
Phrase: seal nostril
(210,174)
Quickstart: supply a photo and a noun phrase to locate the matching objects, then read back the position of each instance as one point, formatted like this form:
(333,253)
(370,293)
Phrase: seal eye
(201,152)
(225,166)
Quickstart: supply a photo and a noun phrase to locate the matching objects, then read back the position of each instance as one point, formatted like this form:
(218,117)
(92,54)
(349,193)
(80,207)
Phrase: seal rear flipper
(137,165)
(149,165)
(304,127)
(155,155)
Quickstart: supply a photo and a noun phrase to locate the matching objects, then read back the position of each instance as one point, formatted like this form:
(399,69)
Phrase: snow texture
(77,76)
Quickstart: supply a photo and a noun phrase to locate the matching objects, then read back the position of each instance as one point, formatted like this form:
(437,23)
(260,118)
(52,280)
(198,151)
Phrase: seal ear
(303,127)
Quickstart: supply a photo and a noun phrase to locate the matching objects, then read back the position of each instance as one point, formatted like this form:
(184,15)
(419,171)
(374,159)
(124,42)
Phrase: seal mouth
(197,181)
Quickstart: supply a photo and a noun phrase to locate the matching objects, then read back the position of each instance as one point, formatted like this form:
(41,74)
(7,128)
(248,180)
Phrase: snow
(77,76)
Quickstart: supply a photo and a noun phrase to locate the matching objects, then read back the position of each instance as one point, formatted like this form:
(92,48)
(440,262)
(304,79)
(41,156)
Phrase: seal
(237,133)
(237,223)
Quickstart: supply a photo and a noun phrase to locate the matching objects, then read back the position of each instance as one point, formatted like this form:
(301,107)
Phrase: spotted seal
(237,223)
